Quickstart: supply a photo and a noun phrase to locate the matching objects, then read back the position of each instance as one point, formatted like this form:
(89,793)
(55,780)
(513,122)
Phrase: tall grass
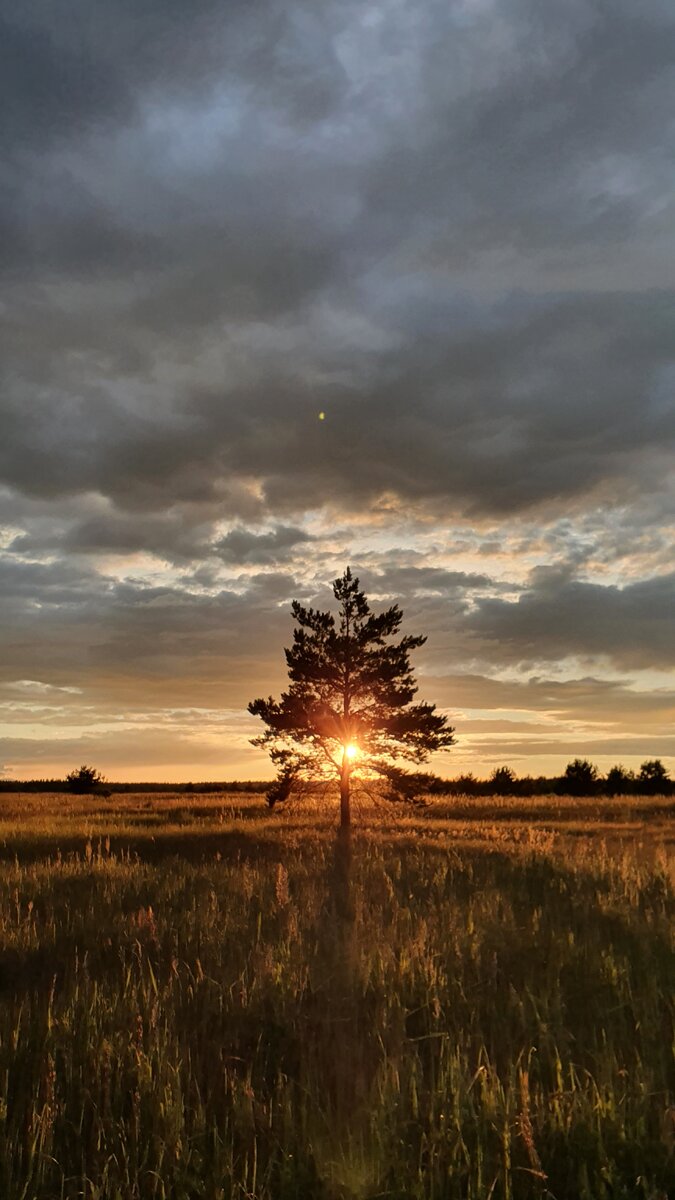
(408,1016)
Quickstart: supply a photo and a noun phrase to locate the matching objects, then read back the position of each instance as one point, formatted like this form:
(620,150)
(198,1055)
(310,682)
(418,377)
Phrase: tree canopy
(349,708)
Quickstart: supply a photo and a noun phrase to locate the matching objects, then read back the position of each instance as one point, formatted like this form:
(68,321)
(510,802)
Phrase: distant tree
(620,782)
(409,786)
(580,777)
(467,785)
(502,781)
(349,707)
(538,785)
(654,777)
(85,780)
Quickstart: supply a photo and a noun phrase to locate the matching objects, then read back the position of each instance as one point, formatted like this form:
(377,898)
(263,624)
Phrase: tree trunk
(345,811)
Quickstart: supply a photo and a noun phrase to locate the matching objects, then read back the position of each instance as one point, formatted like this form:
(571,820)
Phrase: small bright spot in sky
(322,416)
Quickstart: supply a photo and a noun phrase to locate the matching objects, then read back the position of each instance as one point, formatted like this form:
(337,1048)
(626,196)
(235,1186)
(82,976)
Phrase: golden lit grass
(201,999)
(153,825)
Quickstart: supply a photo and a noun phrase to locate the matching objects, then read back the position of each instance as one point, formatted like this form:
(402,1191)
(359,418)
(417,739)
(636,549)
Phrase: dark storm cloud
(253,181)
(105,173)
(70,65)
(446,228)
(50,86)
(441,428)
(542,96)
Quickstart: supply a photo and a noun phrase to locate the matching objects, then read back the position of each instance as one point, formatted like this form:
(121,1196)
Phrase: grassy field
(199,998)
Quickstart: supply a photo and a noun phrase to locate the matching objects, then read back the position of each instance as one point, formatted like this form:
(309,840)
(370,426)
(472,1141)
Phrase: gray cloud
(270,191)
(141,750)
(445,228)
(405,582)
(129,641)
(244,546)
(173,538)
(633,626)
(585,699)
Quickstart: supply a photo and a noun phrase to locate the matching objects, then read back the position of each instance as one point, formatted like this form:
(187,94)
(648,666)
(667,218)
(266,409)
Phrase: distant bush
(503,781)
(653,777)
(620,782)
(409,786)
(85,781)
(581,777)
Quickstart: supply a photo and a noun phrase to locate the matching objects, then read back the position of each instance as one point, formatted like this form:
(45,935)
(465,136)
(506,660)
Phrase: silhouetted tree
(620,782)
(408,786)
(84,780)
(349,705)
(653,776)
(467,785)
(580,777)
(502,781)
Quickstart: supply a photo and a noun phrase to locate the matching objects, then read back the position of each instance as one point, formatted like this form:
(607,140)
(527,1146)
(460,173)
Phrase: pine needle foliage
(349,707)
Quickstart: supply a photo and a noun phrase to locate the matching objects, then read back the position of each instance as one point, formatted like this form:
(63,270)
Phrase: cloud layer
(287,286)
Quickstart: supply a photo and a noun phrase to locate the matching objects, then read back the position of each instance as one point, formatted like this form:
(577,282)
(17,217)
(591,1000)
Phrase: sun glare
(351,750)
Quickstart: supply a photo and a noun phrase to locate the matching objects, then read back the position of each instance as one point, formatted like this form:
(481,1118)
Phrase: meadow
(200,998)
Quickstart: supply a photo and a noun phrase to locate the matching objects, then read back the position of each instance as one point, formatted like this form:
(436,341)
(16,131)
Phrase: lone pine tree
(349,705)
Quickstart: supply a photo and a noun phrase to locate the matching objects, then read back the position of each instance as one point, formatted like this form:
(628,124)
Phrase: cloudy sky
(447,225)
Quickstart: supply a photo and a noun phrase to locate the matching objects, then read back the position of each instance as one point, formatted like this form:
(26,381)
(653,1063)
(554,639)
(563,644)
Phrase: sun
(351,751)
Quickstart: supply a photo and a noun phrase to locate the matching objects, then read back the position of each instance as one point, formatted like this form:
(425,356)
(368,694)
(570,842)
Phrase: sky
(287,286)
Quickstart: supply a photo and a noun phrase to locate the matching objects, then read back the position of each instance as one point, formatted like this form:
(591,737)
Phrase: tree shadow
(339,1050)
(339,880)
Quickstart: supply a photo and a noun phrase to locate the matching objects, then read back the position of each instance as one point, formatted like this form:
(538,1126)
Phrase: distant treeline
(580,778)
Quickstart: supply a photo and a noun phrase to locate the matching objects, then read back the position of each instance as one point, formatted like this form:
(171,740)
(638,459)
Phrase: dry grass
(201,999)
